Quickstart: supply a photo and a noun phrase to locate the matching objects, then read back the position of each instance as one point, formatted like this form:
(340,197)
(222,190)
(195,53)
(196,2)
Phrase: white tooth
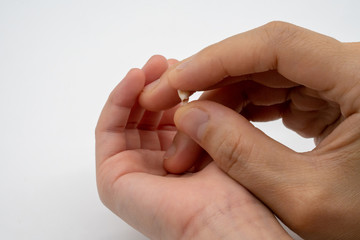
(184,96)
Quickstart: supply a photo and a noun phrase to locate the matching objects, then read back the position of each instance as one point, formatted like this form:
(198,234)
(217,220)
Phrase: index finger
(302,56)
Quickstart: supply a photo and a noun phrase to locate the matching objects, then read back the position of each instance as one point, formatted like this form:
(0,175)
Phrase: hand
(132,182)
(279,70)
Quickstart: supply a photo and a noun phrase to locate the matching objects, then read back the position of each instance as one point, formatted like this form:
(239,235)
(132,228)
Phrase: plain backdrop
(59,60)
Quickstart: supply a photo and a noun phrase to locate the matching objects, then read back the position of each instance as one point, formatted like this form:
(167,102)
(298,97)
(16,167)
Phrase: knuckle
(232,153)
(212,55)
(278,33)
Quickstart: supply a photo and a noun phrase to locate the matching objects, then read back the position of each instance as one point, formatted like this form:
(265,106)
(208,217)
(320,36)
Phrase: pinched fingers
(299,55)
(184,152)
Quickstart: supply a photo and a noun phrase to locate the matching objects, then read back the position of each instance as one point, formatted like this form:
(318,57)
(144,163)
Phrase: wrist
(228,225)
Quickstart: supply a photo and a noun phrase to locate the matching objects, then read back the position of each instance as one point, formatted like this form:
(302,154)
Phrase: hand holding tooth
(279,70)
(132,181)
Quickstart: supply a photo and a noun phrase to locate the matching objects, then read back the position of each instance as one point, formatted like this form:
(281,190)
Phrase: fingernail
(194,122)
(152,85)
(170,152)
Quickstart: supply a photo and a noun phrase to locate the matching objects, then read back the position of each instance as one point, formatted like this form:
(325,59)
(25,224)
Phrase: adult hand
(132,182)
(278,70)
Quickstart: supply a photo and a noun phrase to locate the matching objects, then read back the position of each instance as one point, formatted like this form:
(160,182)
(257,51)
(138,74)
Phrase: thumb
(242,151)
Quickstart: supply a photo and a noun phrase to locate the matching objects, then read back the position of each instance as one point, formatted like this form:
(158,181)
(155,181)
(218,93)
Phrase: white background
(58,62)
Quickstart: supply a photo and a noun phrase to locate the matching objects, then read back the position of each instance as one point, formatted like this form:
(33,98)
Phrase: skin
(203,203)
(279,70)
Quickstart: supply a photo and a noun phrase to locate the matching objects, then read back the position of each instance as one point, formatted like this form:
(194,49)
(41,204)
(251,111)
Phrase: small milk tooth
(184,95)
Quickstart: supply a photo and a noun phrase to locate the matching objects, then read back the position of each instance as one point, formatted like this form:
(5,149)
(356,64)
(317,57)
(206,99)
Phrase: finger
(115,114)
(308,114)
(310,123)
(305,99)
(296,53)
(172,61)
(273,79)
(269,78)
(159,96)
(240,149)
(167,120)
(135,116)
(263,113)
(237,96)
(167,129)
(156,129)
(277,46)
(156,100)
(184,152)
(169,96)
(154,67)
(161,121)
(164,96)
(150,120)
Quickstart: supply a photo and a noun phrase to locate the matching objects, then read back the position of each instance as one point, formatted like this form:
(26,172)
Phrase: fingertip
(182,154)
(134,71)
(192,119)
(154,68)
(129,87)
(154,59)
(158,96)
(172,166)
(172,61)
(134,76)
